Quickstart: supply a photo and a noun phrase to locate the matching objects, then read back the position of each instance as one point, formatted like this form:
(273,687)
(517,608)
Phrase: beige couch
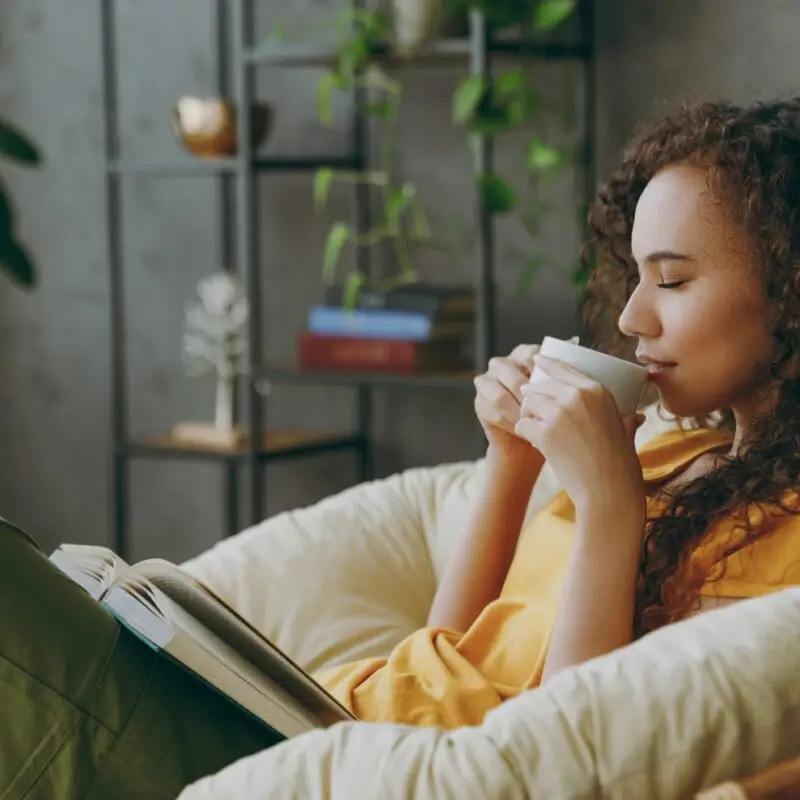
(711,698)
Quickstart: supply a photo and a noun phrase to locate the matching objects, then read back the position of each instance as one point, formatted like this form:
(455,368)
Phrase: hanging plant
(489,108)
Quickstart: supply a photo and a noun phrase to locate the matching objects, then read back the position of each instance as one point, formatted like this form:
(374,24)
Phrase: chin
(686,406)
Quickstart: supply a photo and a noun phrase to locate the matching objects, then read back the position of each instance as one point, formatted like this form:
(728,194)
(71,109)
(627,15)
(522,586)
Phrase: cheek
(728,340)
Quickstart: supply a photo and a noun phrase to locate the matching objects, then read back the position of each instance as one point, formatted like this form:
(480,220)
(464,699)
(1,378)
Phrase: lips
(654,366)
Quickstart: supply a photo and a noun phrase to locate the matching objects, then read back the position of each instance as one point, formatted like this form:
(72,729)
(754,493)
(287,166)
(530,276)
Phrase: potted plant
(14,258)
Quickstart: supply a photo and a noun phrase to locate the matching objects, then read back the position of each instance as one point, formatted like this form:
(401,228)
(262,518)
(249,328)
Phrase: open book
(182,618)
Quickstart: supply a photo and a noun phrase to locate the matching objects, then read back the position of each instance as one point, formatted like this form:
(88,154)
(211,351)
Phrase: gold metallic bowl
(206,126)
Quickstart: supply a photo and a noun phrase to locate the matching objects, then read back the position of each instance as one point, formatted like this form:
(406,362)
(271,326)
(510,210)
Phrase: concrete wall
(54,343)
(653,54)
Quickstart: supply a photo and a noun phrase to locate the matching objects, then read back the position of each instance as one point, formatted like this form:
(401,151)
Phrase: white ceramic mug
(625,381)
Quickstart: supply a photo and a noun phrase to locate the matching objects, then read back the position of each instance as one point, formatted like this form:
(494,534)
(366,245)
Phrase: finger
(495,418)
(563,372)
(530,429)
(554,390)
(538,406)
(494,404)
(511,376)
(523,355)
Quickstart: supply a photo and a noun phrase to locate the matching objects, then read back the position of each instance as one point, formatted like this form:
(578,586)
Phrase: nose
(639,318)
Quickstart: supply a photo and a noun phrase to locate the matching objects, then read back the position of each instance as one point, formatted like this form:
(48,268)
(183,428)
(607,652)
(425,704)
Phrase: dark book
(379,355)
(424,298)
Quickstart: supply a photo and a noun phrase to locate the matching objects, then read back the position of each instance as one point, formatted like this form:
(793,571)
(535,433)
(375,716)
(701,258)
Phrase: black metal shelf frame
(237,58)
(200,168)
(145,449)
(442,52)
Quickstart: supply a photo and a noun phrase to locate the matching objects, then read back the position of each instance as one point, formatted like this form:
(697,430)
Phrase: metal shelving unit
(237,59)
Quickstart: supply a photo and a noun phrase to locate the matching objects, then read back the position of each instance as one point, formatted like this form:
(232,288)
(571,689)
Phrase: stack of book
(416,327)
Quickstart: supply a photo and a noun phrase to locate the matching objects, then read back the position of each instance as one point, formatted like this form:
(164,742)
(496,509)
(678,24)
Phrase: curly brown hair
(751,156)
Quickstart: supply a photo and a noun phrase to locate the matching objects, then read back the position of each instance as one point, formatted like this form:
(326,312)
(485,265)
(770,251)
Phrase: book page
(211,611)
(92,567)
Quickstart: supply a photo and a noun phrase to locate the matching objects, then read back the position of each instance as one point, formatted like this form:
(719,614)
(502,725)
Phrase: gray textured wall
(54,344)
(653,54)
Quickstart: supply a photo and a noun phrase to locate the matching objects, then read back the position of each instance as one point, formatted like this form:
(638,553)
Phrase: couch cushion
(344,579)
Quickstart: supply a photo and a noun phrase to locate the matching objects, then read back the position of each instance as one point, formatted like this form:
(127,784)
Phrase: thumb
(633,422)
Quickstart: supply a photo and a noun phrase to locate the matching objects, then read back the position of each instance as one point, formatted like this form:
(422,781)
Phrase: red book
(378,355)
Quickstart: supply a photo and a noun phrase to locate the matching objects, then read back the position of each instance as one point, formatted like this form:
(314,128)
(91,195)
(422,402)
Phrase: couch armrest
(343,579)
(705,700)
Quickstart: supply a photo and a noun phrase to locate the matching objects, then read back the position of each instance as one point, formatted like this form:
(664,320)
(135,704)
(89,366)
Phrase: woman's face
(699,310)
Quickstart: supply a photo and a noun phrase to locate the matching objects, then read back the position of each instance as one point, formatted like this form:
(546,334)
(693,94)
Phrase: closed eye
(673,285)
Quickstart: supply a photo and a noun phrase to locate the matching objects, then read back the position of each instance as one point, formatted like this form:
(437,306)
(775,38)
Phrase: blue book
(368,323)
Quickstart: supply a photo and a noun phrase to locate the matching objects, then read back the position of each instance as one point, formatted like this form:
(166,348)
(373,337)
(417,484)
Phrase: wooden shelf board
(290,373)
(274,441)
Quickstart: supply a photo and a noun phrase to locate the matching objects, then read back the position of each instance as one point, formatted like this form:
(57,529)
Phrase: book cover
(383,324)
(379,355)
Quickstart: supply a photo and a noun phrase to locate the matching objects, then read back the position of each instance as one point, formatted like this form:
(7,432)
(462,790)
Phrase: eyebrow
(667,255)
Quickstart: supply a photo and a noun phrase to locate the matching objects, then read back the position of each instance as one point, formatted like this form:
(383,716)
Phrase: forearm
(595,615)
(484,554)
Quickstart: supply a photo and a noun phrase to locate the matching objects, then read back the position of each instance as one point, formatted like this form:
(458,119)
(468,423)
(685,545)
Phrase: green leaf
(382,109)
(529,271)
(338,236)
(323,178)
(541,156)
(16,145)
(509,83)
(491,125)
(352,286)
(466,98)
(549,14)
(396,203)
(373,25)
(353,58)
(517,112)
(498,196)
(15,261)
(328,83)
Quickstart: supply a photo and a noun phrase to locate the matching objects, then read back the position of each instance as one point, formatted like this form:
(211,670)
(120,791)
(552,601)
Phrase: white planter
(415,22)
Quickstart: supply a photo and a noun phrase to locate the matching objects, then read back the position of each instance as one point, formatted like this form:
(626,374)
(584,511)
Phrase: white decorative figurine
(215,340)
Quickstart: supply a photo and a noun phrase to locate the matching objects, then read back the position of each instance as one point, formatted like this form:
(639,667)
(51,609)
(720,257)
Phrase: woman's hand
(574,422)
(498,401)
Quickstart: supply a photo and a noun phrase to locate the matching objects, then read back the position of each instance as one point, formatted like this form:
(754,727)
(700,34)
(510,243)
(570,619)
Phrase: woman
(701,227)
(700,224)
